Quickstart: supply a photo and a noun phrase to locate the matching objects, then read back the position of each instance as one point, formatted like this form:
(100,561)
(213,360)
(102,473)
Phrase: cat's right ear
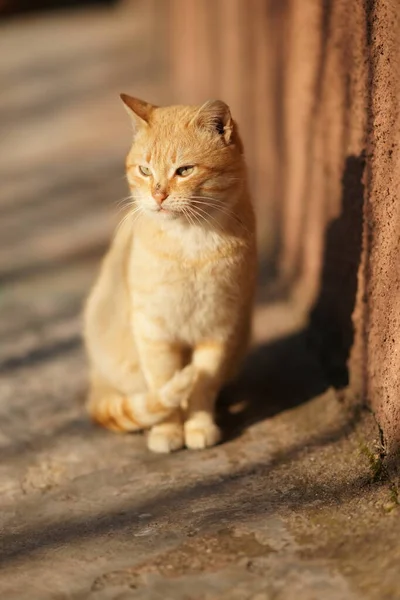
(138,110)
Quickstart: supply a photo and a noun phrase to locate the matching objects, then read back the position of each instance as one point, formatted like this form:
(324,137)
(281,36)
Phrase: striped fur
(140,410)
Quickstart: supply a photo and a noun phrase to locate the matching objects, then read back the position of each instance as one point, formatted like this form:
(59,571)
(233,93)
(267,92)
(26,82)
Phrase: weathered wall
(341,221)
(315,87)
(343,252)
(381,317)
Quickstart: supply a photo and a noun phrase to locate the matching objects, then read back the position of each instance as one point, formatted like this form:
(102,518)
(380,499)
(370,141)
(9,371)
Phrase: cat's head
(186,162)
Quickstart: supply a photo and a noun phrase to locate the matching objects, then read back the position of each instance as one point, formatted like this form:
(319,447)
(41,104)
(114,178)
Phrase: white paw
(165,439)
(200,435)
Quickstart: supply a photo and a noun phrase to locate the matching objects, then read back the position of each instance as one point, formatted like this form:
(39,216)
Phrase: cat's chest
(194,302)
(191,293)
(182,267)
(183,280)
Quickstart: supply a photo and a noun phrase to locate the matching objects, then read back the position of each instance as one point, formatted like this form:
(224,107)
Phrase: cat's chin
(165,214)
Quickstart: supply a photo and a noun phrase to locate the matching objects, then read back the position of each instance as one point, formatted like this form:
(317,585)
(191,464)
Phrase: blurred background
(313,85)
(64,138)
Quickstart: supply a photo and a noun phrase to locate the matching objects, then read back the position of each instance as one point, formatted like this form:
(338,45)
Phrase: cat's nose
(160,196)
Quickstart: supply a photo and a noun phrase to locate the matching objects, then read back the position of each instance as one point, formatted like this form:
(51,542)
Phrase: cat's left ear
(138,110)
(215,115)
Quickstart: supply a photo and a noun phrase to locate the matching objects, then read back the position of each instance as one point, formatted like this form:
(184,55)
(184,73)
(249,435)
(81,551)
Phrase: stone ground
(292,505)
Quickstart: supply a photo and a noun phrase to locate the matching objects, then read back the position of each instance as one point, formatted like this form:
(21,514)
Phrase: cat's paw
(165,438)
(177,391)
(201,433)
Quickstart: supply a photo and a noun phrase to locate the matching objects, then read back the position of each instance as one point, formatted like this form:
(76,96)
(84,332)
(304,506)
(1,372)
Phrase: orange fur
(168,320)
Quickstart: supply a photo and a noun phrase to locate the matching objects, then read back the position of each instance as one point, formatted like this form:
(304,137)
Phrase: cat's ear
(215,115)
(138,110)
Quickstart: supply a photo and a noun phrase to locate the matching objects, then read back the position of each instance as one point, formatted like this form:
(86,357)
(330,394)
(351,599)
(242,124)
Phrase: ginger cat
(168,320)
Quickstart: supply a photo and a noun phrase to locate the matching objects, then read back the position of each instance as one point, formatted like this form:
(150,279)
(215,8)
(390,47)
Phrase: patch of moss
(375,462)
(380,473)
(394,495)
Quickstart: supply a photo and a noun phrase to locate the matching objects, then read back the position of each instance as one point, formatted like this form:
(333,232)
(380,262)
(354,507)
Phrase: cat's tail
(138,411)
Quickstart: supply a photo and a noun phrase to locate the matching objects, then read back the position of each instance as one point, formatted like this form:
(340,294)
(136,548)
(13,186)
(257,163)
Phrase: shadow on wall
(288,372)
(308,192)
(331,325)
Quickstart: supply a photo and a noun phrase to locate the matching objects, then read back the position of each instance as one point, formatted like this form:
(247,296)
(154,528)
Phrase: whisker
(122,200)
(132,213)
(200,212)
(194,216)
(207,218)
(213,199)
(125,207)
(189,214)
(131,198)
(224,210)
(186,212)
(208,198)
(221,208)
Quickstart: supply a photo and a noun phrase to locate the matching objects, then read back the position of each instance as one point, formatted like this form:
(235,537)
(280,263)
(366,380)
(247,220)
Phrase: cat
(168,320)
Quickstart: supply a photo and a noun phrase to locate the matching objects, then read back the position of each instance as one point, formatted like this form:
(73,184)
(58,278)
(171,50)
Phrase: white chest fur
(187,288)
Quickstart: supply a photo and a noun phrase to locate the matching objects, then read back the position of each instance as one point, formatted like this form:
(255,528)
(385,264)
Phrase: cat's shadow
(285,373)
(277,376)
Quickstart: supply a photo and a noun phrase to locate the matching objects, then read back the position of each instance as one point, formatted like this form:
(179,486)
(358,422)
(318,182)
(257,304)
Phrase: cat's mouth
(167,212)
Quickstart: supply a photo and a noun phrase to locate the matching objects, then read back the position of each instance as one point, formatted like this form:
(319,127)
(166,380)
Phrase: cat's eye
(185,171)
(145,171)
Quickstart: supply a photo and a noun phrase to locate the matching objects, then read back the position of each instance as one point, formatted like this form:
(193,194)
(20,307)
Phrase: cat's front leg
(209,360)
(161,363)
